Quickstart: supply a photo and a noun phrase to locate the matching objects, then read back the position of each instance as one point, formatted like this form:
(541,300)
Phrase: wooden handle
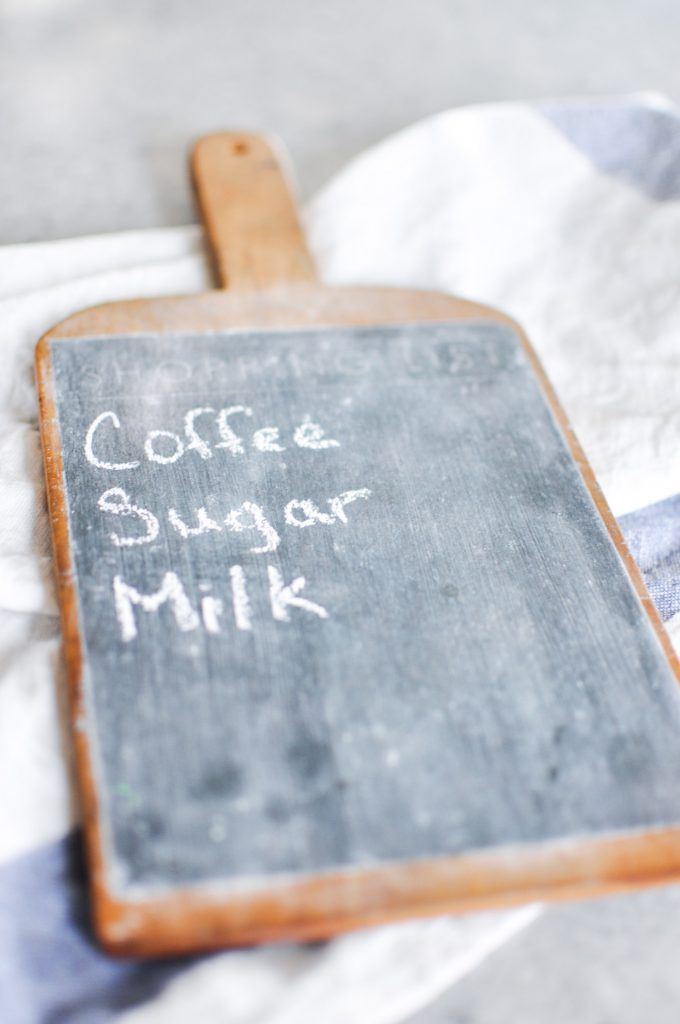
(249,213)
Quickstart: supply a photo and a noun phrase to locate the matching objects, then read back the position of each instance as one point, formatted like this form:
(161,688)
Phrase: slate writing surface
(345,599)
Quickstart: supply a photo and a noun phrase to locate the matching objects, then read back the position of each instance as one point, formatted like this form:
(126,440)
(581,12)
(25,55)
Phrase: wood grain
(264,263)
(249,214)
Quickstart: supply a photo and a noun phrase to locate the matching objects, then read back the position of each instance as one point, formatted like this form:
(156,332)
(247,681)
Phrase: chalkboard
(344,599)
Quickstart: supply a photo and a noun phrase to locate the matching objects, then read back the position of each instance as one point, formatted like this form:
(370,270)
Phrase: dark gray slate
(485,675)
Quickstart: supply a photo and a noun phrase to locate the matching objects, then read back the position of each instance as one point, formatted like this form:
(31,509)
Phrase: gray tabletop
(98,104)
(99,101)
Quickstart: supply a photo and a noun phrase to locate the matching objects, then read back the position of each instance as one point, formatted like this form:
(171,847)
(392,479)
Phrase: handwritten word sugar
(298,513)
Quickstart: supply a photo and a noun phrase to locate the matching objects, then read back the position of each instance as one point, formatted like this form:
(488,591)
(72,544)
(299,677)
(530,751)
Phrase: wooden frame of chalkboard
(268,283)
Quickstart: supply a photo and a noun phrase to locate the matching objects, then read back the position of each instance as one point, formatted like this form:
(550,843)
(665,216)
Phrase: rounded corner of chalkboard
(510,322)
(116,928)
(41,351)
(110,942)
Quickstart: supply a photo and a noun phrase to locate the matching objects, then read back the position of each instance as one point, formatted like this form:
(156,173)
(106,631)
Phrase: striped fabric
(567,215)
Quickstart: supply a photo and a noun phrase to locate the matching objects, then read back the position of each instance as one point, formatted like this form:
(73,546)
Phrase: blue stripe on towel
(653,536)
(51,971)
(636,143)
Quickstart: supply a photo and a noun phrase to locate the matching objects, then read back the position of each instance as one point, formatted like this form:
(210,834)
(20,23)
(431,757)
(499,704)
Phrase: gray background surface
(97,103)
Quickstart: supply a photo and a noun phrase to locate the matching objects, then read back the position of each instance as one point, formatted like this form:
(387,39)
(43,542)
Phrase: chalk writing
(89,438)
(249,516)
(230,440)
(156,456)
(196,443)
(242,614)
(211,609)
(283,599)
(164,448)
(204,521)
(259,522)
(266,439)
(116,501)
(170,592)
(310,513)
(311,435)
(346,498)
